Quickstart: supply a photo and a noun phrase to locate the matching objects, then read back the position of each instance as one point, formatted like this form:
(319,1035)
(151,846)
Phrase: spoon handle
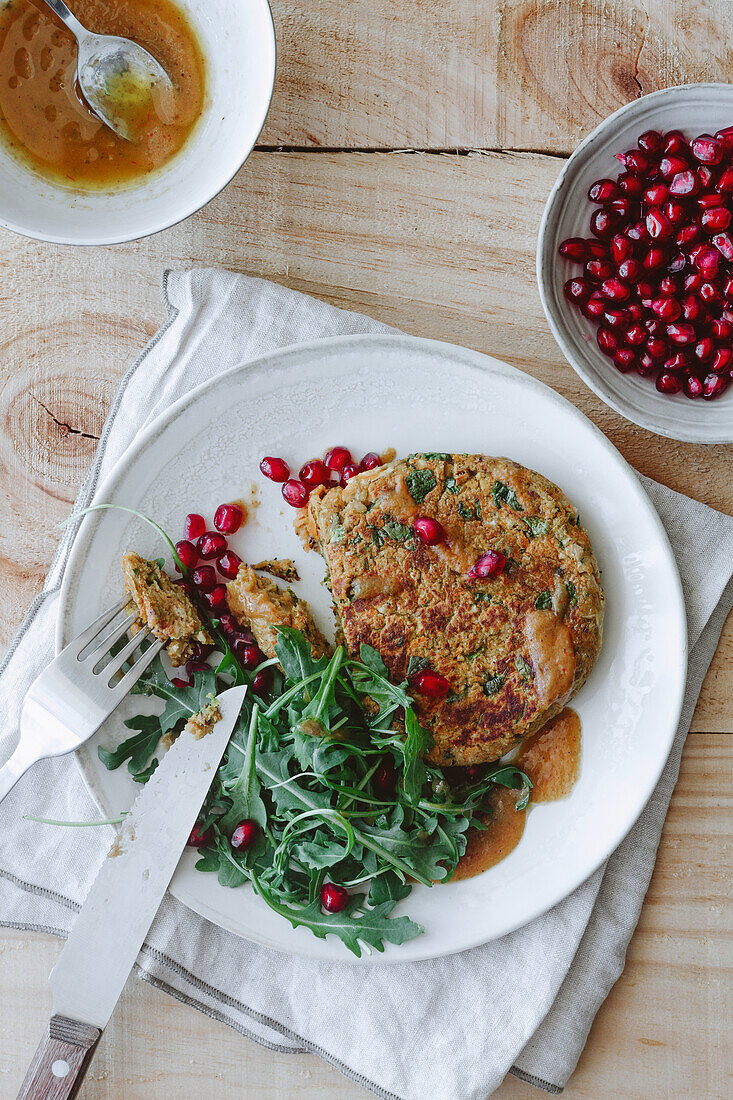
(59,7)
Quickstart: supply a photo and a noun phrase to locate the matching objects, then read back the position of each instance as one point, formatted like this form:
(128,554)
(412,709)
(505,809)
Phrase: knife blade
(125,896)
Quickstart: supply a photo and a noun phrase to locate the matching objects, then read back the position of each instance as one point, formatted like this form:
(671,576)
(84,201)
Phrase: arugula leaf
(433,456)
(536,527)
(451,485)
(245,791)
(502,494)
(544,601)
(465,511)
(373,660)
(494,684)
(137,749)
(419,484)
(417,743)
(416,664)
(397,531)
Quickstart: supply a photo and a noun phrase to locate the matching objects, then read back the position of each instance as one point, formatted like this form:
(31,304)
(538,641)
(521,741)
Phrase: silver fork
(71,698)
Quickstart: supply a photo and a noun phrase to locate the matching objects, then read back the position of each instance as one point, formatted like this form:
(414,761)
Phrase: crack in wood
(637,59)
(434,151)
(62,423)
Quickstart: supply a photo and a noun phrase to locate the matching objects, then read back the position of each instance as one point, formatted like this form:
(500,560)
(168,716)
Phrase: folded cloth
(450,1028)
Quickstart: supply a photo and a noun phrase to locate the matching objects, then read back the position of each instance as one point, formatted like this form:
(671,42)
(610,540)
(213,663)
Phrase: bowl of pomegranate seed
(635,262)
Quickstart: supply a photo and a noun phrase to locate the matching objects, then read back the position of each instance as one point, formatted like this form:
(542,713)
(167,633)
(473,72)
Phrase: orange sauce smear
(43,118)
(551,759)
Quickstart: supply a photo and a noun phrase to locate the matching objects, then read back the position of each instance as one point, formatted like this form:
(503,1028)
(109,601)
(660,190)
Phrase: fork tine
(91,632)
(118,661)
(130,678)
(109,640)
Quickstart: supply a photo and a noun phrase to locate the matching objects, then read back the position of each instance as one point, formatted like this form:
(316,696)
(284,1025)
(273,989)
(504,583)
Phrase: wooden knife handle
(59,1064)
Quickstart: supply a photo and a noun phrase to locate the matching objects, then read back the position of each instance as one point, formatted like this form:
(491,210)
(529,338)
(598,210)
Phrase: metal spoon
(121,82)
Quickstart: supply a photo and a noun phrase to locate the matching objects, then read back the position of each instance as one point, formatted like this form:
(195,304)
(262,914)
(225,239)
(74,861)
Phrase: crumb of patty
(164,607)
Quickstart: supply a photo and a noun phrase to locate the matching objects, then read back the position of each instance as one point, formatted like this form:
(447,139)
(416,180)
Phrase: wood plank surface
(662,1033)
(481,74)
(438,245)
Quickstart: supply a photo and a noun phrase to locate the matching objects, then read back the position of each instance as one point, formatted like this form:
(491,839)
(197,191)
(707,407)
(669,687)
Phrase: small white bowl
(238,43)
(694,109)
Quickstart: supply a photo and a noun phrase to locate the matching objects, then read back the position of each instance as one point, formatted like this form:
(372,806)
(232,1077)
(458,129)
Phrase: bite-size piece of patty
(164,607)
(514,647)
(261,605)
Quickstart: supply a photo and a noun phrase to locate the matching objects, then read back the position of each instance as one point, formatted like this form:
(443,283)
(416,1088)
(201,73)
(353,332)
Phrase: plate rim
(487,365)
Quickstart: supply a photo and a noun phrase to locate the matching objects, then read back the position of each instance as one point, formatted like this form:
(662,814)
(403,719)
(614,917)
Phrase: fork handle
(61,1060)
(10,773)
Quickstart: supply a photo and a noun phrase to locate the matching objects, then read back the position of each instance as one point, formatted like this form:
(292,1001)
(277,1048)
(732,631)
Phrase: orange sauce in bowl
(43,117)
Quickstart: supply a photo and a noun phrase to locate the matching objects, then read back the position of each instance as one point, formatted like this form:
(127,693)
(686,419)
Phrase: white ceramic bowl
(238,42)
(694,109)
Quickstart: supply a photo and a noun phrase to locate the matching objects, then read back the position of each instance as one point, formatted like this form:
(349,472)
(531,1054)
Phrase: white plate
(370,393)
(694,109)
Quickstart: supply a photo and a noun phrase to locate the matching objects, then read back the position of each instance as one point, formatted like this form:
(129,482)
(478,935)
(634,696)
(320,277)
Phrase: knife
(125,896)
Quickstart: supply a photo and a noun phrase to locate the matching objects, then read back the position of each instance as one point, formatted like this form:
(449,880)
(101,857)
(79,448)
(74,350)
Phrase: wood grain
(438,245)
(663,1031)
(481,74)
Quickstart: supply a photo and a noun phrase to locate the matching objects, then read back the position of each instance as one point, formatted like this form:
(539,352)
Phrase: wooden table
(402,172)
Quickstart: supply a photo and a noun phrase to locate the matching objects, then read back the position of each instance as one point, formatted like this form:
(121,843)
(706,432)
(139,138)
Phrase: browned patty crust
(515,648)
(164,607)
(260,604)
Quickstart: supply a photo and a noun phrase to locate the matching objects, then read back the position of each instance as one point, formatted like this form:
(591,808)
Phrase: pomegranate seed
(681,361)
(228,564)
(349,471)
(615,289)
(644,290)
(314,473)
(631,186)
(709,292)
(706,149)
(676,143)
(704,349)
(429,530)
(247,653)
(693,281)
(724,245)
(677,263)
(188,554)
(713,386)
(275,468)
(370,461)
(651,141)
(635,311)
(187,588)
(657,349)
(646,365)
(211,545)
(692,386)
(488,566)
(714,219)
(668,285)
(338,457)
(674,211)
(577,290)
(228,623)
(624,360)
(431,684)
(722,330)
(604,222)
(574,248)
(199,836)
(668,383)
(597,250)
(621,248)
(244,835)
(708,201)
(606,341)
(635,335)
(595,306)
(638,162)
(384,777)
(670,166)
(180,683)
(656,194)
(192,667)
(603,191)
(655,257)
(682,334)
(725,137)
(707,262)
(599,269)
(654,326)
(722,361)
(204,577)
(615,318)
(262,681)
(194,526)
(629,270)
(684,183)
(295,493)
(658,226)
(333,898)
(666,309)
(687,235)
(624,207)
(725,183)
(706,176)
(216,599)
(228,518)
(692,309)
(638,232)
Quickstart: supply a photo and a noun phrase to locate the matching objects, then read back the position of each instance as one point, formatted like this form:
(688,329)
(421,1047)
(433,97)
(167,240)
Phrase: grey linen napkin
(449,1028)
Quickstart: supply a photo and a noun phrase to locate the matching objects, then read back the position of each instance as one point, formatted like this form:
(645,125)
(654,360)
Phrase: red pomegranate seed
(656,194)
(646,365)
(668,285)
(577,290)
(704,349)
(338,457)
(654,326)
(709,292)
(651,141)
(658,226)
(624,360)
(431,684)
(638,232)
(674,211)
(722,330)
(192,667)
(681,361)
(603,191)
(635,311)
(429,530)
(247,652)
(615,290)
(715,219)
(707,262)
(631,186)
(333,898)
(677,263)
(706,176)
(216,599)
(621,248)
(615,318)
(370,461)
(722,361)
(687,235)
(228,623)
(595,306)
(188,554)
(204,577)
(244,835)
(692,386)
(314,473)
(713,386)
(199,836)
(684,183)
(657,349)
(692,309)
(668,383)
(262,681)
(623,206)
(670,166)
(188,588)
(635,335)
(179,683)
(384,777)
(655,258)
(194,526)
(708,201)
(599,269)
(638,162)
(488,566)
(629,270)
(275,468)
(645,289)
(667,309)
(725,137)
(574,248)
(693,281)
(604,222)
(606,341)
(228,518)
(228,564)
(706,149)
(681,334)
(349,471)
(676,143)
(211,545)
(724,245)
(725,183)
(295,493)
